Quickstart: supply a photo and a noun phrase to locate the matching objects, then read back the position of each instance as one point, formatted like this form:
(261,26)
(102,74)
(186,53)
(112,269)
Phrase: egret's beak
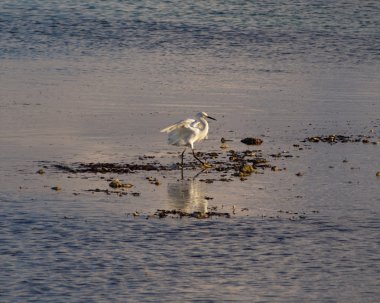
(211,118)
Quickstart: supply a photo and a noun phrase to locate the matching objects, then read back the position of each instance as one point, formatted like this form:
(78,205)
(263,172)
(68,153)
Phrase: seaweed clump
(176,213)
(333,139)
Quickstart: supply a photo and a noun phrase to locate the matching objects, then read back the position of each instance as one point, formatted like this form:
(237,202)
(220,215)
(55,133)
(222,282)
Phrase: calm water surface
(343,31)
(95,80)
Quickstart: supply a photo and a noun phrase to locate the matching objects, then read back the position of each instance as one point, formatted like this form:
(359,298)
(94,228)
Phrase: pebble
(40,171)
(116,183)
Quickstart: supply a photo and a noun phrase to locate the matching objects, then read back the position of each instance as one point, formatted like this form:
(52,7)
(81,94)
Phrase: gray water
(94,81)
(320,31)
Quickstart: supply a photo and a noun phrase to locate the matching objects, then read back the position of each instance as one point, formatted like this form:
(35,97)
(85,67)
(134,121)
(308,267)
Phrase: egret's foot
(206,165)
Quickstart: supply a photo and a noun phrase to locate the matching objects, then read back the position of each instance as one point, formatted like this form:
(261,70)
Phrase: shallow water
(114,257)
(95,83)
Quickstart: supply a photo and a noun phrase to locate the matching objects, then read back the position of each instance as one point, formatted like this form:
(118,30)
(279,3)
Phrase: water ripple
(272,30)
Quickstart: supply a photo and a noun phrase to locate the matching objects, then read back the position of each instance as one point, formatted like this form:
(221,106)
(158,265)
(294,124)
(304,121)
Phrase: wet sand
(62,112)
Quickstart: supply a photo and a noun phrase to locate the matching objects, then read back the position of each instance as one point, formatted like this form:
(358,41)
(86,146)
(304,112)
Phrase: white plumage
(187,132)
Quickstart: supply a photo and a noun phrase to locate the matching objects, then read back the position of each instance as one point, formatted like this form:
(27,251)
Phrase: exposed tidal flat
(94,206)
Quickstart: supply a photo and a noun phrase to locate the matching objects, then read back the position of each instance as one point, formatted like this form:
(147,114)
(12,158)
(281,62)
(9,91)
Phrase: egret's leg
(197,157)
(182,155)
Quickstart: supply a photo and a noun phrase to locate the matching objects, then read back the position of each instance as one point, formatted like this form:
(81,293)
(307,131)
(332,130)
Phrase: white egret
(187,132)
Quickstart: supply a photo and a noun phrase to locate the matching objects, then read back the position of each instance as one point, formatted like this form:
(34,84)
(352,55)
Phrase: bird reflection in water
(187,196)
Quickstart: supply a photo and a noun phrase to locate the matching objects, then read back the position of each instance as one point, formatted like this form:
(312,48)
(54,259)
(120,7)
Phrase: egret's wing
(181,136)
(184,123)
(182,132)
(196,124)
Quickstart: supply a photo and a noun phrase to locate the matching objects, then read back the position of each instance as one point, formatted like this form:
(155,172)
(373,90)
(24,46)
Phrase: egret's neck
(204,122)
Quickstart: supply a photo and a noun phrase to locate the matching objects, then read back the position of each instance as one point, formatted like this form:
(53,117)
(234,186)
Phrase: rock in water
(252,141)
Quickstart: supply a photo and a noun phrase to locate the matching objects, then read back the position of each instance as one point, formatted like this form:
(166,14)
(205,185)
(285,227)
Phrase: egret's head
(205,115)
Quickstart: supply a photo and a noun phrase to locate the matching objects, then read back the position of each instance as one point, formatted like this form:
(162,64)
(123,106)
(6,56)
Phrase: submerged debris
(275,168)
(153,180)
(281,155)
(120,193)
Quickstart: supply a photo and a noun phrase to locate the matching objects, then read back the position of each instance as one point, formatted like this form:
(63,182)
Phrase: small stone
(116,183)
(300,174)
(40,171)
(56,188)
(252,141)
(314,139)
(378,174)
(246,170)
(223,140)
(206,165)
